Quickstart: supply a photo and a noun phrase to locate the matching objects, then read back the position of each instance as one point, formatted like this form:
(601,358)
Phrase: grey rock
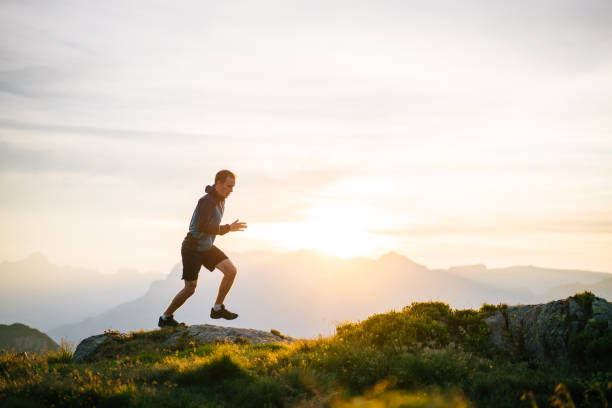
(202,333)
(206,333)
(88,346)
(574,309)
(542,332)
(545,330)
(602,311)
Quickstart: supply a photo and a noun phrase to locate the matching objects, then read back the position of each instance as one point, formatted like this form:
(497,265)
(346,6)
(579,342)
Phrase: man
(198,249)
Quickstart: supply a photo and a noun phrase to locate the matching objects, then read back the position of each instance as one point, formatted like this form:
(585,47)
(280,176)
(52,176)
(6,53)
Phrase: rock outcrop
(544,331)
(207,333)
(200,333)
(88,346)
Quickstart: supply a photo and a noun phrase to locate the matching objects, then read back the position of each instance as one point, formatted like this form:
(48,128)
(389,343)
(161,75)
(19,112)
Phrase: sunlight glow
(338,229)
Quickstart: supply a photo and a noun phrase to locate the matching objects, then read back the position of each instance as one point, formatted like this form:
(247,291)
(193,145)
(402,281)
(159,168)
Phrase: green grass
(427,355)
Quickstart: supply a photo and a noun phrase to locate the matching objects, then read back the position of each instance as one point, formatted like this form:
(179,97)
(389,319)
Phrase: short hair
(223,175)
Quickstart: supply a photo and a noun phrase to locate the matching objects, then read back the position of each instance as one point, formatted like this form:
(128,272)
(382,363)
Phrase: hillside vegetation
(19,337)
(426,355)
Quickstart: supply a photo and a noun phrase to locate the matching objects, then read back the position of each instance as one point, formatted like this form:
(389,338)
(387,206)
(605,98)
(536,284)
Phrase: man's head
(224,182)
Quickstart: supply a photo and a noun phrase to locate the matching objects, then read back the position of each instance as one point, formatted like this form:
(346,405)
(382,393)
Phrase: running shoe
(222,313)
(169,322)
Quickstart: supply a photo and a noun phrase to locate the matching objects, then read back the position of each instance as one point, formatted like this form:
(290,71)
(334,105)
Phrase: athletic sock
(217,307)
(166,317)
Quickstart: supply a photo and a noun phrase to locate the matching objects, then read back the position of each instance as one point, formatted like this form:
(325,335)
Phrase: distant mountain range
(602,289)
(43,295)
(18,337)
(301,293)
(532,279)
(305,293)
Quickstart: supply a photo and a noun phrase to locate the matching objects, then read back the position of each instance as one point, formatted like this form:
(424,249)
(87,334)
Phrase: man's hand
(237,226)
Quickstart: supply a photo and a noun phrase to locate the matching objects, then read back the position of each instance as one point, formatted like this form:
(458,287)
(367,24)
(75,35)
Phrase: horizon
(302,250)
(321,290)
(457,133)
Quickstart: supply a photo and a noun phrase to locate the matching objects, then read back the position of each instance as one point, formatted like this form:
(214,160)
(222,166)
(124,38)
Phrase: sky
(451,132)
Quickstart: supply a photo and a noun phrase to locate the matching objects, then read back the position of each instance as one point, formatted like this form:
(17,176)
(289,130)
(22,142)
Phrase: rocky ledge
(207,333)
(199,333)
(551,331)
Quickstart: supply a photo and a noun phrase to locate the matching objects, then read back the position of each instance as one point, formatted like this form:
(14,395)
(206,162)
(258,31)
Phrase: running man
(198,249)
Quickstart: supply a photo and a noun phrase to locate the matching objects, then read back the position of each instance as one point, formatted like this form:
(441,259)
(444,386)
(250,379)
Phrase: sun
(339,229)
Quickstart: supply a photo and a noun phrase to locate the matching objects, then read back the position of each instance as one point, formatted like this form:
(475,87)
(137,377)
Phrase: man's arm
(206,209)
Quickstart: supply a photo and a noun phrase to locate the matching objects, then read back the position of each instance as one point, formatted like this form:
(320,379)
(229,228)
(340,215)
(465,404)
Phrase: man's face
(226,187)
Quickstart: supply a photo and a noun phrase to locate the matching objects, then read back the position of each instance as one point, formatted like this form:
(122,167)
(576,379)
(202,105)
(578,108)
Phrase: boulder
(543,331)
(199,333)
(207,333)
(602,311)
(88,347)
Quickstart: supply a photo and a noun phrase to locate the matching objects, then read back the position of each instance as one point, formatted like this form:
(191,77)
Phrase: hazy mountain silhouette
(41,294)
(301,293)
(532,278)
(19,337)
(602,289)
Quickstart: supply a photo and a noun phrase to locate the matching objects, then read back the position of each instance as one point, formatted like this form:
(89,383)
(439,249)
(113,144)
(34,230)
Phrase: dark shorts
(193,260)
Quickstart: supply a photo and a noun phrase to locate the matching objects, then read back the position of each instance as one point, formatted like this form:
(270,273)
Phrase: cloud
(31,82)
(464,107)
(562,225)
(112,133)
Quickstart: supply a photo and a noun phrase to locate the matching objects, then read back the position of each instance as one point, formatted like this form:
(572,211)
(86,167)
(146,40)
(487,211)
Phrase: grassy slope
(425,355)
(19,337)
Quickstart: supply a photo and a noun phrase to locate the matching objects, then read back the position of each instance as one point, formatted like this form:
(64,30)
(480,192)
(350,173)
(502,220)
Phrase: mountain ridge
(321,298)
(20,337)
(321,287)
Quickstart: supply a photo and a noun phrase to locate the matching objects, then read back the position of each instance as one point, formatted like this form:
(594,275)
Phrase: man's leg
(229,273)
(182,296)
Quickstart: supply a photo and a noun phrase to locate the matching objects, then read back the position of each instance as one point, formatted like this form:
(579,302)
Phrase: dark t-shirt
(205,222)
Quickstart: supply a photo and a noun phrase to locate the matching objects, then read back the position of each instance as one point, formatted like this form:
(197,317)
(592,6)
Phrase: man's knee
(190,287)
(227,267)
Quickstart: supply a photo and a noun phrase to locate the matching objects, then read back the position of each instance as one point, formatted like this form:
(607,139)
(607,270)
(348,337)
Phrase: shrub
(214,371)
(432,324)
(277,333)
(63,355)
(487,309)
(585,300)
(592,346)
